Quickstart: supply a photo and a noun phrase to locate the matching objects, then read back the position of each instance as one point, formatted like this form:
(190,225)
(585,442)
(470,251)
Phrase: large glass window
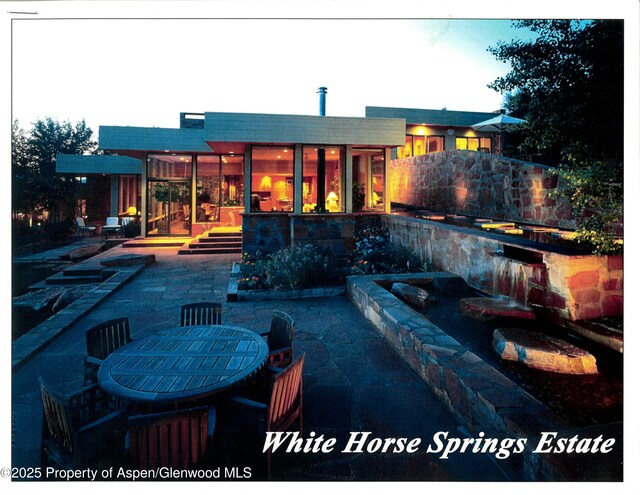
(474,144)
(271,179)
(368,179)
(129,195)
(207,188)
(416,145)
(435,143)
(219,185)
(331,186)
(232,178)
(405,151)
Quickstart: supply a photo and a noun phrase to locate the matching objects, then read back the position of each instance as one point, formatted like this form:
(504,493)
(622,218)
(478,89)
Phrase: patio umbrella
(497,123)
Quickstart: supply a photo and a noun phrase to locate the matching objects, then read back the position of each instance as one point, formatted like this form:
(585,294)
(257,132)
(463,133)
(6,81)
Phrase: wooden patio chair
(177,439)
(277,410)
(204,313)
(280,339)
(81,429)
(102,340)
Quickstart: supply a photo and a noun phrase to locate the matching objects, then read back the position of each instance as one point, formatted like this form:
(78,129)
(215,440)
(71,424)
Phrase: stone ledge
(542,352)
(31,342)
(265,295)
(481,397)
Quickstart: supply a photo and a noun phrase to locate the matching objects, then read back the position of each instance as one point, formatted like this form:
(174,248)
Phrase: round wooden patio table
(183,364)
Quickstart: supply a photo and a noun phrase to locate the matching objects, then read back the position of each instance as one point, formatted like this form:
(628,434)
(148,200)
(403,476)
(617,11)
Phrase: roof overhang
(130,140)
(98,164)
(416,116)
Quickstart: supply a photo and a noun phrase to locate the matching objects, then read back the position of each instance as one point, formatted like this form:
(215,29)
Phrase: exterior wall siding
(302,129)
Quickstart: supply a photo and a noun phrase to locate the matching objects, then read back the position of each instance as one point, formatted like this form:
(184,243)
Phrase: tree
(36,184)
(568,84)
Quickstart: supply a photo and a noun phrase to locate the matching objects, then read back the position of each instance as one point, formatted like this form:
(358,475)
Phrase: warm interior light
(332,196)
(265,183)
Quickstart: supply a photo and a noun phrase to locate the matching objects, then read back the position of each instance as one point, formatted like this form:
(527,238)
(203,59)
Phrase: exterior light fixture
(451,132)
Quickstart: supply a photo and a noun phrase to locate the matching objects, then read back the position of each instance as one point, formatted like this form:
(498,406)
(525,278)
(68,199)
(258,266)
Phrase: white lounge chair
(112,226)
(82,228)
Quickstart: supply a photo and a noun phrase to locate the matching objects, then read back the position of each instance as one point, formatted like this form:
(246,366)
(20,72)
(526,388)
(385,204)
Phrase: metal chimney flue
(322,91)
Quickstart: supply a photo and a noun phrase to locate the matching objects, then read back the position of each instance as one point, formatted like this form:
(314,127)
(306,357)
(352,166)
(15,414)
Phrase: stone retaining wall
(568,286)
(271,232)
(479,184)
(482,398)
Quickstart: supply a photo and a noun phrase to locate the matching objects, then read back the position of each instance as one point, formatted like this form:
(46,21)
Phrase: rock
(540,351)
(129,260)
(83,252)
(411,294)
(38,300)
(485,308)
(70,295)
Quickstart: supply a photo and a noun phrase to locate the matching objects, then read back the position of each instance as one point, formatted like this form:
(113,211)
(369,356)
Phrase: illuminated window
(405,151)
(271,179)
(333,180)
(416,145)
(435,143)
(474,144)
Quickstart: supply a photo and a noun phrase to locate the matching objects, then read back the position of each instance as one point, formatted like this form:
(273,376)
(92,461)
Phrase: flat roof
(452,118)
(97,164)
(237,129)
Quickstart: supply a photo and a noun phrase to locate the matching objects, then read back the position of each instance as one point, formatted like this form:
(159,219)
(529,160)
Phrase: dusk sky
(145,72)
(75,61)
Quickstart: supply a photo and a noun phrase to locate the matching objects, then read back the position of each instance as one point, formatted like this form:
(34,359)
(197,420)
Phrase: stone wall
(569,286)
(271,232)
(332,232)
(265,232)
(481,398)
(479,184)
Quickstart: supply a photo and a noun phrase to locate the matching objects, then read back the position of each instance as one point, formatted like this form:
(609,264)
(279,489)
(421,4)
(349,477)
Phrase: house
(429,131)
(243,170)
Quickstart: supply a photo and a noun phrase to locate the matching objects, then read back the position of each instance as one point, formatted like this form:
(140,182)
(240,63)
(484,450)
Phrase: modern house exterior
(221,169)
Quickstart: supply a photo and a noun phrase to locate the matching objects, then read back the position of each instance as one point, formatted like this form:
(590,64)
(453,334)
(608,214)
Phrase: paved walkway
(353,381)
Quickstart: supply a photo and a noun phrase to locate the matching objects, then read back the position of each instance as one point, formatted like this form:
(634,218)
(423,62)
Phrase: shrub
(132,229)
(297,267)
(252,270)
(595,192)
(375,253)
(292,268)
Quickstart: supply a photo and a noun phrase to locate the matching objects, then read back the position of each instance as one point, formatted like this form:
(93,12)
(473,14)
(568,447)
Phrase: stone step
(62,279)
(485,308)
(210,250)
(93,270)
(224,234)
(220,240)
(540,351)
(208,245)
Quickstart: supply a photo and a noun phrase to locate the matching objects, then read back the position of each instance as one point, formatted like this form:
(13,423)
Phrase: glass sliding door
(168,195)
(220,186)
(368,179)
(168,208)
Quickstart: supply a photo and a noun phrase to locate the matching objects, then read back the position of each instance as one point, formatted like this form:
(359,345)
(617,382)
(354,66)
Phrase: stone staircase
(214,242)
(81,274)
